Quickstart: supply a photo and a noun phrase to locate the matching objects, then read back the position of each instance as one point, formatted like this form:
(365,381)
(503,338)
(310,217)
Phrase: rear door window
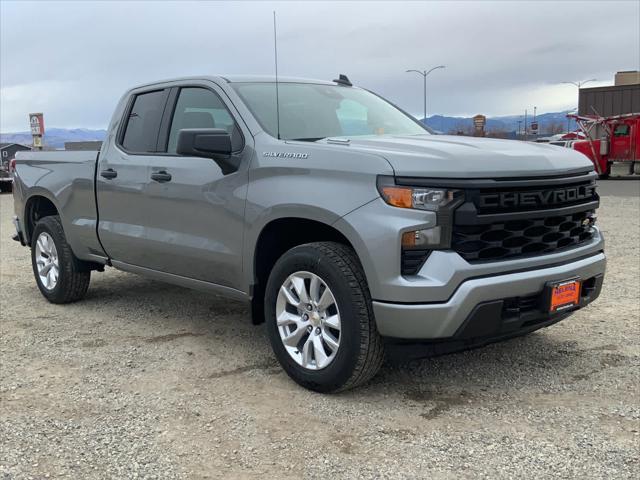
(201,108)
(143,123)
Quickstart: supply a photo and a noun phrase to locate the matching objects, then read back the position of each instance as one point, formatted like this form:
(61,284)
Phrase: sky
(73,60)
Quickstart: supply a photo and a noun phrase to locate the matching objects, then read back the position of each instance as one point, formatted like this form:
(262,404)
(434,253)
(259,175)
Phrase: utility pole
(519,127)
(525,125)
(424,74)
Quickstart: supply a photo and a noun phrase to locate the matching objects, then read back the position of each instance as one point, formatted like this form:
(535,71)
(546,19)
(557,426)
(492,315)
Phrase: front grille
(522,237)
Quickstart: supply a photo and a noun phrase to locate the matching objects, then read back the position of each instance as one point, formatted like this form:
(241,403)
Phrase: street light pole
(424,97)
(424,74)
(579,85)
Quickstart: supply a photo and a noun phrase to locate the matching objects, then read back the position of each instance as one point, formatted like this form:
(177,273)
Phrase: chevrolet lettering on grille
(537,198)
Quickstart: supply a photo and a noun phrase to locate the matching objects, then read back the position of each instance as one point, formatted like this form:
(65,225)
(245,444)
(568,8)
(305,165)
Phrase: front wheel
(60,276)
(320,319)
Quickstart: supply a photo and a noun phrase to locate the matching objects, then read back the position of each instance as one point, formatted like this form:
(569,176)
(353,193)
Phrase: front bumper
(446,319)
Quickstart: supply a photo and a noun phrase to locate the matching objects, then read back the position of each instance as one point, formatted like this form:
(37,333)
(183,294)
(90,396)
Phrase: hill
(546,121)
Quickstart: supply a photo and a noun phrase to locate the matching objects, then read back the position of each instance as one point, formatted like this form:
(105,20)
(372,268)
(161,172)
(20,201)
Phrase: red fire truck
(618,142)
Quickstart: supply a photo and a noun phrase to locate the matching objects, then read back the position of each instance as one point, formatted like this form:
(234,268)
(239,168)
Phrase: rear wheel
(320,320)
(60,276)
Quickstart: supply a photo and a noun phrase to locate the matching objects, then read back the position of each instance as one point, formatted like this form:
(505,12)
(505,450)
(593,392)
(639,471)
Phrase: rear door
(122,177)
(193,212)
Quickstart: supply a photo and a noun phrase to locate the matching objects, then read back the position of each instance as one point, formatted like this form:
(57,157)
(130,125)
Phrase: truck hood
(448,156)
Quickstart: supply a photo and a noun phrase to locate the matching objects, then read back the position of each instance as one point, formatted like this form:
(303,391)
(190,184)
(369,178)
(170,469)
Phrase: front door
(195,213)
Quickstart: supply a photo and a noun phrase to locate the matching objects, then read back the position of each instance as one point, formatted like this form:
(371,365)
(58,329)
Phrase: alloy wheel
(46,257)
(308,320)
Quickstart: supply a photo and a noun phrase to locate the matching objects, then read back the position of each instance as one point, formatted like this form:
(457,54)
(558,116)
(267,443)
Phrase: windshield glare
(313,111)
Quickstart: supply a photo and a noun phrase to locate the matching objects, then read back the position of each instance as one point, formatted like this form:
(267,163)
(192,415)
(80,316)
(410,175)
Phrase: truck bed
(71,175)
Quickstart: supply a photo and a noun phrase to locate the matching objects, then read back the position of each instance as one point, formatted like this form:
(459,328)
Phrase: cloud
(73,60)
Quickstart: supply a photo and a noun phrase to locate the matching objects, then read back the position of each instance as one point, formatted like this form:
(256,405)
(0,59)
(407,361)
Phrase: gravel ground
(146,380)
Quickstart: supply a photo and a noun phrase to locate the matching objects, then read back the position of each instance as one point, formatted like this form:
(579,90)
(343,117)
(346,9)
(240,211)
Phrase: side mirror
(214,143)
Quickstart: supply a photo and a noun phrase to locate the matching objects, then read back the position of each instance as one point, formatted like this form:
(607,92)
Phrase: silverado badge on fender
(285,155)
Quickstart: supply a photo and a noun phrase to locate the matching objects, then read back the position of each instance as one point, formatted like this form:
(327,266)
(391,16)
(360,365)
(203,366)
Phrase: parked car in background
(7,154)
(6,182)
(562,143)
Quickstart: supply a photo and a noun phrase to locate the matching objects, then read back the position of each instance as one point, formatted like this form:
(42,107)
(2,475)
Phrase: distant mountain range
(546,121)
(56,137)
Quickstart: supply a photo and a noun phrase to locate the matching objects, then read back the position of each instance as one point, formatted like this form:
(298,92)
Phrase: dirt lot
(146,380)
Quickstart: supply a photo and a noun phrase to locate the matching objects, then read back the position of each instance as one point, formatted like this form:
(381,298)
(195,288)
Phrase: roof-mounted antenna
(344,80)
(275,52)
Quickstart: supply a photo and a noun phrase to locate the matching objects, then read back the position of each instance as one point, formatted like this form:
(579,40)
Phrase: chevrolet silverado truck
(349,228)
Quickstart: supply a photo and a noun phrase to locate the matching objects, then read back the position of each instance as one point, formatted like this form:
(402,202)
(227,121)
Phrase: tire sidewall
(338,372)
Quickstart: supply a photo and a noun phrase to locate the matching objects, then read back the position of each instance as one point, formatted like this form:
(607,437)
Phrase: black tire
(74,275)
(361,351)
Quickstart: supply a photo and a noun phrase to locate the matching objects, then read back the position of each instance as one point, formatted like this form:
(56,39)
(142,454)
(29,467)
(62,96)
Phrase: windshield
(313,111)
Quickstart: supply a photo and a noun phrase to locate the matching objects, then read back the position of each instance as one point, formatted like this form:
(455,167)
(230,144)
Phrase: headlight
(416,244)
(420,198)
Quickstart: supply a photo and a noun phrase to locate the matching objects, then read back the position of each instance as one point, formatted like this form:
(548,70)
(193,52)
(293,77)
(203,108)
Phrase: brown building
(88,145)
(618,99)
(629,77)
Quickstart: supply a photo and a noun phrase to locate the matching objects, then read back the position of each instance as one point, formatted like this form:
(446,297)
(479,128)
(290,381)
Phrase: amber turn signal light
(427,238)
(398,196)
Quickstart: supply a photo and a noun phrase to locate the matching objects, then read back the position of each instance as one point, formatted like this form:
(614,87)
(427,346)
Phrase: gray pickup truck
(349,228)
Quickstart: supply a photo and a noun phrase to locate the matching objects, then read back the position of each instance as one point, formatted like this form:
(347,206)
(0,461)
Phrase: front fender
(259,222)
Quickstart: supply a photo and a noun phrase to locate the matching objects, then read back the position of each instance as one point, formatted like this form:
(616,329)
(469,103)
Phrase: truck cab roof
(238,79)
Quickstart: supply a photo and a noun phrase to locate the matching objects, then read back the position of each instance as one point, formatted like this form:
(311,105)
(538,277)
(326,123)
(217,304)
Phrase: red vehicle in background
(618,144)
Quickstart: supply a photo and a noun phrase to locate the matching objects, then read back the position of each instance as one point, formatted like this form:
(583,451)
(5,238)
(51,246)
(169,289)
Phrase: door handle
(109,173)
(161,176)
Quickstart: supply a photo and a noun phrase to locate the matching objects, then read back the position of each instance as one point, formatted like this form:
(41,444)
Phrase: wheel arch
(275,238)
(38,205)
